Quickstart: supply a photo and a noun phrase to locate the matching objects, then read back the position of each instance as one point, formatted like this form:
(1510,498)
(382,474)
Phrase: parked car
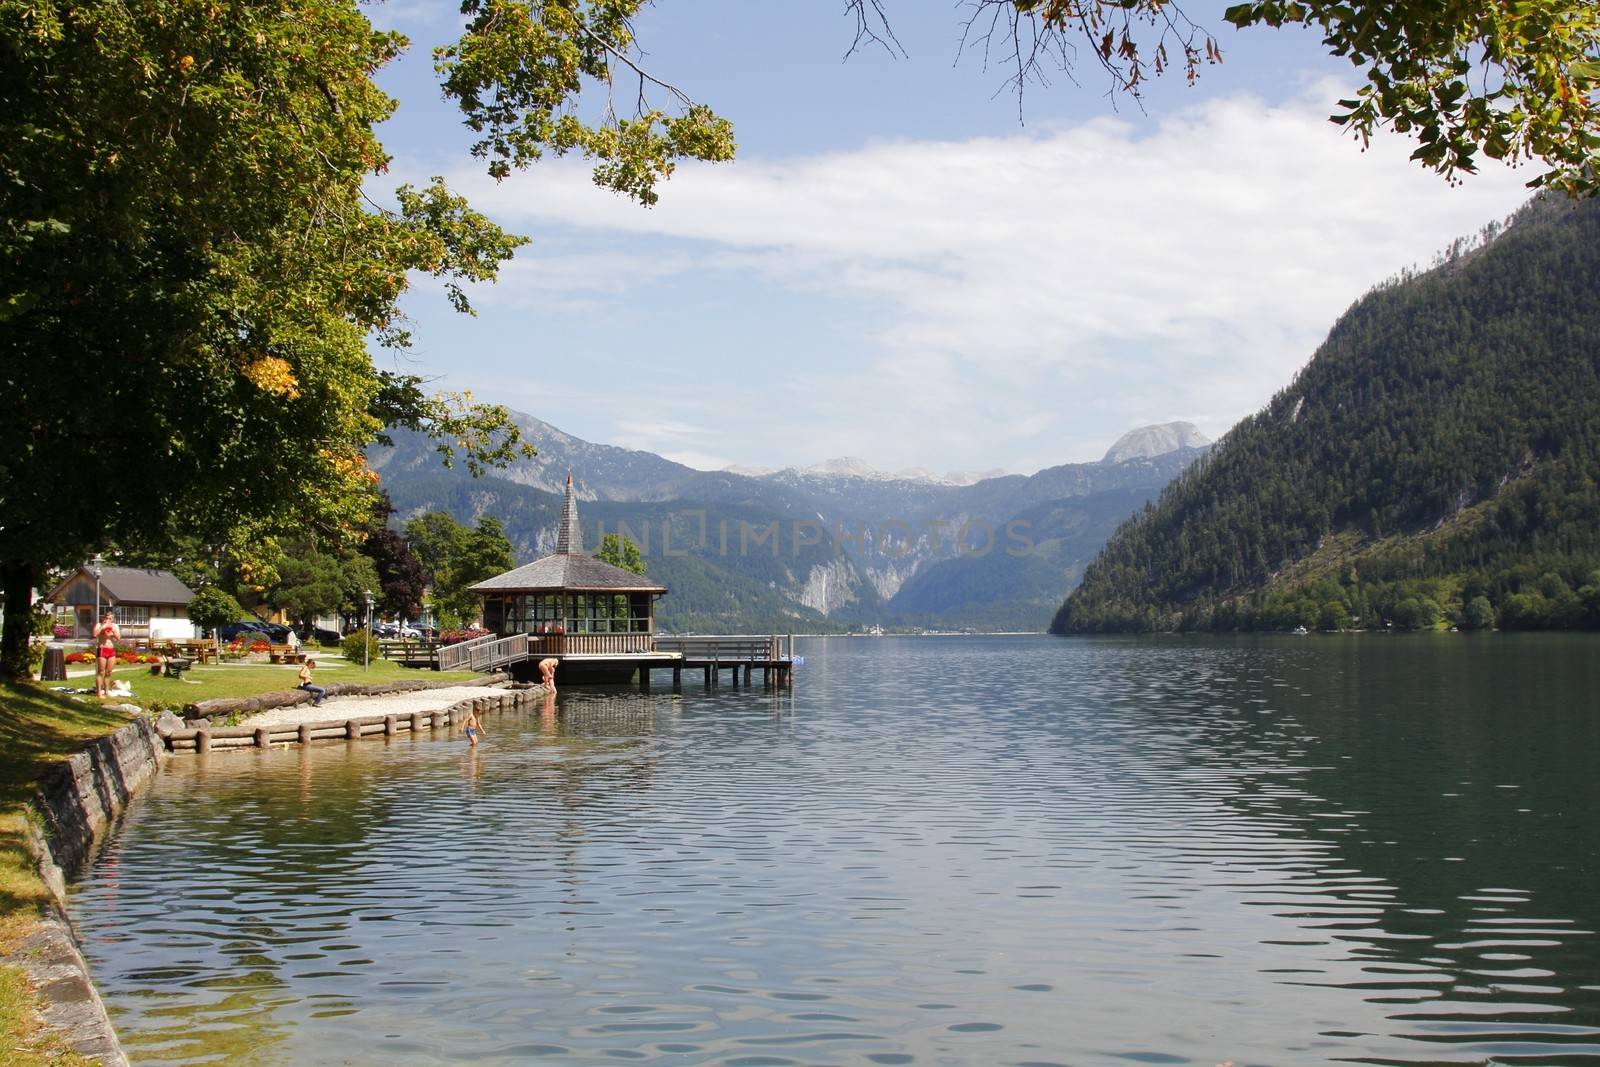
(271,632)
(396,629)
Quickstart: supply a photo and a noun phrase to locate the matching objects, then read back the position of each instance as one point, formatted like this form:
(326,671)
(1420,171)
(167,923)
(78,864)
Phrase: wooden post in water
(202,740)
(677,677)
(305,733)
(389,726)
(263,737)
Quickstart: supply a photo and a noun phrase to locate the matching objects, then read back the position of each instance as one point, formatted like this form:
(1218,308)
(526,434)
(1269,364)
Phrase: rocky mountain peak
(1149,441)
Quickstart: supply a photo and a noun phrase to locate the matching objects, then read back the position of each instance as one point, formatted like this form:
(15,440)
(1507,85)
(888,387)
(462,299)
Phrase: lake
(1174,850)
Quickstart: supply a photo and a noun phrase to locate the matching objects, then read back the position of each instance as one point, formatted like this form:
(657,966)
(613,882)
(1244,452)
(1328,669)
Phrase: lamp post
(366,644)
(96,570)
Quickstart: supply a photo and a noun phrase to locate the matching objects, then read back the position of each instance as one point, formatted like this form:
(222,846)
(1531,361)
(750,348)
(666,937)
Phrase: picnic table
(201,651)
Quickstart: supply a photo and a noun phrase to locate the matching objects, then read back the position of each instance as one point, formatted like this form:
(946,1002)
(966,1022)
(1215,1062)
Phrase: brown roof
(568,573)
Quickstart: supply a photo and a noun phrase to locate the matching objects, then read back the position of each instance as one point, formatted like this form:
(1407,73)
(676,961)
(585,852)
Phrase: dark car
(272,632)
(232,630)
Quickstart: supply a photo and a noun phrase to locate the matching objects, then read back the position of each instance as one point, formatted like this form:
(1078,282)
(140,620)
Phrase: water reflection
(937,851)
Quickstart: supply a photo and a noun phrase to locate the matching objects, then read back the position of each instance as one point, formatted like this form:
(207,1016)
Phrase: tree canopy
(620,551)
(457,557)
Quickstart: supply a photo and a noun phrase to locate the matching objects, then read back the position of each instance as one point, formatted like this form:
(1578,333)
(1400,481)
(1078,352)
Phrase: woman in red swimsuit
(107,634)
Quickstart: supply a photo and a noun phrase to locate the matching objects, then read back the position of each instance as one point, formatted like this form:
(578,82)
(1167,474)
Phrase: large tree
(456,557)
(191,270)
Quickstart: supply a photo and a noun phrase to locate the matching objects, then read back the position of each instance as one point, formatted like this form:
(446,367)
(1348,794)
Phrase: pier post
(305,733)
(263,737)
(202,740)
(677,677)
(389,726)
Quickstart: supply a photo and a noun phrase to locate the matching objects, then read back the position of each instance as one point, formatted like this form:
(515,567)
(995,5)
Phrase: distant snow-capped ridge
(1148,442)
(856,467)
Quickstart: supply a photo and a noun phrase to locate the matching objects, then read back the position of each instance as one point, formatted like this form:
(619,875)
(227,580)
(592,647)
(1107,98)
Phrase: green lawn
(248,679)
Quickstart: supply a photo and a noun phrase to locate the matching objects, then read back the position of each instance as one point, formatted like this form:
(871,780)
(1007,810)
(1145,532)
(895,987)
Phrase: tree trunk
(16,582)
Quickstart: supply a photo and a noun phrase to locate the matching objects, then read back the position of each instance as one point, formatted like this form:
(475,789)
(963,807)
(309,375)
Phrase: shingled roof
(568,569)
(568,573)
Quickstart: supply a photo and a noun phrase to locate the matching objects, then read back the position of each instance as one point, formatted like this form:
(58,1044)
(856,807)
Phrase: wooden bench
(285,654)
(176,665)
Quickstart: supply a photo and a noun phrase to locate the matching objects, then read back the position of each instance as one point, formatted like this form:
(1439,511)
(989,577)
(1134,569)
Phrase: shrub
(211,608)
(359,646)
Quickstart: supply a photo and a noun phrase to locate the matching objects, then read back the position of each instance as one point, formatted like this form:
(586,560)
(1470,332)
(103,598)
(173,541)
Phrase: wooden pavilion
(571,604)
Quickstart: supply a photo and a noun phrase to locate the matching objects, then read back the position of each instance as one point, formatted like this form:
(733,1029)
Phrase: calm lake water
(933,851)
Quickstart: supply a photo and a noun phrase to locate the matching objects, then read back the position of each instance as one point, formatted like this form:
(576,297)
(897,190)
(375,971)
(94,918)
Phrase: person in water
(547,672)
(316,691)
(107,635)
(474,728)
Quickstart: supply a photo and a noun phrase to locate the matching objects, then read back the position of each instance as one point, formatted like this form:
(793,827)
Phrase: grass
(37,727)
(250,679)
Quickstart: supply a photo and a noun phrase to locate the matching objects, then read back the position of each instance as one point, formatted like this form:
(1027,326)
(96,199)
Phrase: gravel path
(337,709)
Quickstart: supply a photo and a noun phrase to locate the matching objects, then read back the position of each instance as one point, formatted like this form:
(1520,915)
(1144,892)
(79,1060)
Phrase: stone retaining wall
(74,802)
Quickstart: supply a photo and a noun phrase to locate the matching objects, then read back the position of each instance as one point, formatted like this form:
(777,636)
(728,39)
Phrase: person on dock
(316,691)
(547,672)
(107,635)
(474,728)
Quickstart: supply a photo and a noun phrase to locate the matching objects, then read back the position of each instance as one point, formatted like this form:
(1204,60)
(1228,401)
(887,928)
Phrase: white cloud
(1023,294)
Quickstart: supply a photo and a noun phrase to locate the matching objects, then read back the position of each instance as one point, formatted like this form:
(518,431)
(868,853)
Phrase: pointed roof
(569,536)
(568,569)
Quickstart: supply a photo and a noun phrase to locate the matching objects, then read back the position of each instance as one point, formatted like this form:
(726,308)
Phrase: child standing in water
(474,728)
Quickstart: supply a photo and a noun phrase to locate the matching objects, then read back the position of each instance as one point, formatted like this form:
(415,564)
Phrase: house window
(132,614)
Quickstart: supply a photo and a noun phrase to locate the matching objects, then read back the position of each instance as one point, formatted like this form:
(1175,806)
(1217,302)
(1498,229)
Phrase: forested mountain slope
(1435,462)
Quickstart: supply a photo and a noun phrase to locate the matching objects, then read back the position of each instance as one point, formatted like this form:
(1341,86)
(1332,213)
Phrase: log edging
(347,728)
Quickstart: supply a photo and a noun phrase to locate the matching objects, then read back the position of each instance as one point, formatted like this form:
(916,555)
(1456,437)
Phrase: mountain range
(826,547)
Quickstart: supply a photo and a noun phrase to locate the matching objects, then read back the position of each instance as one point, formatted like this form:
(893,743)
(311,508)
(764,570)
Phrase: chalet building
(146,604)
(574,603)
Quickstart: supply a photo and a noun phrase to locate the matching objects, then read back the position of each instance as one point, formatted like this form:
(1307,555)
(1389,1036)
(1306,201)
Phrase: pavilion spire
(569,537)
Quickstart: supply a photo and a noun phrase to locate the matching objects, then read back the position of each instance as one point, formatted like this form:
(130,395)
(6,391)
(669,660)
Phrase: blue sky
(896,268)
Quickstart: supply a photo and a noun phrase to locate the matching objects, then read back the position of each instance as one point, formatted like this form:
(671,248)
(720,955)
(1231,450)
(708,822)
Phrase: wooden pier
(621,656)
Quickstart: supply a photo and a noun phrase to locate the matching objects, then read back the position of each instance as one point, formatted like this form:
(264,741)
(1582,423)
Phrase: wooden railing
(407,648)
(500,652)
(730,648)
(458,657)
(589,644)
